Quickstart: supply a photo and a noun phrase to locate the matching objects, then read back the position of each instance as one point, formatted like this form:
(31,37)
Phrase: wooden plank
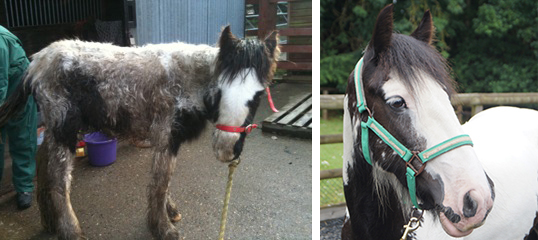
(251,33)
(335,101)
(296,113)
(297,78)
(469,99)
(266,18)
(296,48)
(331,101)
(330,173)
(300,132)
(332,212)
(331,138)
(294,65)
(304,119)
(292,103)
(295,32)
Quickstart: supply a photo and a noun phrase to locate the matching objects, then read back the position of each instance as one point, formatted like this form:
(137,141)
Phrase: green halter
(407,155)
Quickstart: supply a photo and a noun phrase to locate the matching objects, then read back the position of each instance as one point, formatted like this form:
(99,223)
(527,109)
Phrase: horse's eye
(397,103)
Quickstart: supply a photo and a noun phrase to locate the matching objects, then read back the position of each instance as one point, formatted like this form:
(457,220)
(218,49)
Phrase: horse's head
(243,69)
(407,87)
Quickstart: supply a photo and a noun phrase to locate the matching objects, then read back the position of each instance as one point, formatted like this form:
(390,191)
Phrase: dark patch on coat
(188,124)
(87,111)
(368,218)
(252,107)
(212,104)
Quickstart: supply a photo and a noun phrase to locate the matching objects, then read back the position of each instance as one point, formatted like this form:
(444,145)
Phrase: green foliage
(336,69)
(492,45)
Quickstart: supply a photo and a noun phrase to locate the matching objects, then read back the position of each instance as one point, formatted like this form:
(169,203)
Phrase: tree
(491,45)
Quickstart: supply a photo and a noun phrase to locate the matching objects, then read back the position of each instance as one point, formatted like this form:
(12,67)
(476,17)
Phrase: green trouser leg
(2,152)
(21,131)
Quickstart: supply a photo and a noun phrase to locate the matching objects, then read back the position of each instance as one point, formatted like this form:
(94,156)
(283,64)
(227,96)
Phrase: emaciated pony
(163,92)
(396,112)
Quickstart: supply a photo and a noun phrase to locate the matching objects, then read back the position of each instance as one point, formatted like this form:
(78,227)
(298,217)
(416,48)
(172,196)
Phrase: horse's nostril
(469,205)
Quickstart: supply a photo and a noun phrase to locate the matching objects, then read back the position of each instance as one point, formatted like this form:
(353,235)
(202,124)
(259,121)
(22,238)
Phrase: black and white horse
(163,92)
(407,87)
(506,143)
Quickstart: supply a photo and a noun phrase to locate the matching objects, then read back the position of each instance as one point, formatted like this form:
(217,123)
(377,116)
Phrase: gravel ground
(331,229)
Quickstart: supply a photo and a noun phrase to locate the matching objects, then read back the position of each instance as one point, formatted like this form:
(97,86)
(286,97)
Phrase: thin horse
(407,86)
(163,92)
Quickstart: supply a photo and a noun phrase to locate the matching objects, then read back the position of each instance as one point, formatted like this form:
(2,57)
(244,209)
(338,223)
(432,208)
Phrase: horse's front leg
(54,184)
(160,212)
(171,209)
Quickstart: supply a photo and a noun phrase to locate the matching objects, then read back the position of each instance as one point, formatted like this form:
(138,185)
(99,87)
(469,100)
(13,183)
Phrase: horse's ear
(226,37)
(271,42)
(424,31)
(381,38)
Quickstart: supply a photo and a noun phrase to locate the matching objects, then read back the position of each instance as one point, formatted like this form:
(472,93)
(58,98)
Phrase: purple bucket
(101,149)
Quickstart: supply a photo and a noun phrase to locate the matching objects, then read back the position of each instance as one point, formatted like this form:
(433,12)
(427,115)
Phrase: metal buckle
(409,165)
(249,128)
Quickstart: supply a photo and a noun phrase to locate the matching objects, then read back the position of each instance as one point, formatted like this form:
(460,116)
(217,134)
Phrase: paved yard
(271,196)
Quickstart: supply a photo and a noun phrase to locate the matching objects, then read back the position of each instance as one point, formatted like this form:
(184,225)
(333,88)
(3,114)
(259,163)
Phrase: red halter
(236,129)
(247,129)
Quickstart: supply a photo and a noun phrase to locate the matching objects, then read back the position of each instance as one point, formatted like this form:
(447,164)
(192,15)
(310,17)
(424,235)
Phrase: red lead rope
(270,99)
(247,129)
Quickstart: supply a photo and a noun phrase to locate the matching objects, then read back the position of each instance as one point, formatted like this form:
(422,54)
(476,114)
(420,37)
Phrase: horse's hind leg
(158,214)
(44,199)
(54,183)
(171,209)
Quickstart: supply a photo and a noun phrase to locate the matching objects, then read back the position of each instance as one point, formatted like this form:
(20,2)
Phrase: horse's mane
(408,58)
(245,54)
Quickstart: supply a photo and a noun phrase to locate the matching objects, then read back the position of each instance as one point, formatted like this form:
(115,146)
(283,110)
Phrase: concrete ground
(271,195)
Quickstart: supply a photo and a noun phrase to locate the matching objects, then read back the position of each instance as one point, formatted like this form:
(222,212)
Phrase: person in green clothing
(21,130)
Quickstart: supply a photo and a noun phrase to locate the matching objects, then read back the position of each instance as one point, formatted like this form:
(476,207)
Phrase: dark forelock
(406,56)
(244,54)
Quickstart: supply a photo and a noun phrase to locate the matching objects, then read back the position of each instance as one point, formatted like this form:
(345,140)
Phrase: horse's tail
(16,101)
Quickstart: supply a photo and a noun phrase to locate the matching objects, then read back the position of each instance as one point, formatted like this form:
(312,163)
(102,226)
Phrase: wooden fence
(300,26)
(475,100)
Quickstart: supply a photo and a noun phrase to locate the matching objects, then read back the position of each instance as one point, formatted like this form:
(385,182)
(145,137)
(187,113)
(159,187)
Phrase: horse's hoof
(174,235)
(176,218)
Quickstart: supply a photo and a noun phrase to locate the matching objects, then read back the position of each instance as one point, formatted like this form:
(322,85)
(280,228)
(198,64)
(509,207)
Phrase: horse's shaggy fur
(163,92)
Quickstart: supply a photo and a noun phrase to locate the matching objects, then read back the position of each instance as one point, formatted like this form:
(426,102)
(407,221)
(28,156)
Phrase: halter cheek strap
(415,161)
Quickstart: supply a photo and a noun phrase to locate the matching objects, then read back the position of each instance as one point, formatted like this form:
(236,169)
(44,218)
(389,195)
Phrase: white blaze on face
(233,110)
(433,119)
(235,94)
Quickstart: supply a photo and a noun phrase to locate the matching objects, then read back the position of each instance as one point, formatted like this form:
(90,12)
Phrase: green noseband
(407,155)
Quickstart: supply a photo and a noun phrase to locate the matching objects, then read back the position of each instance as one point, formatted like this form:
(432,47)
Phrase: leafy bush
(335,69)
(492,45)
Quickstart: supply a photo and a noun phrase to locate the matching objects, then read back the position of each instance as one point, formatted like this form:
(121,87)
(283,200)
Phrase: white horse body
(506,143)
